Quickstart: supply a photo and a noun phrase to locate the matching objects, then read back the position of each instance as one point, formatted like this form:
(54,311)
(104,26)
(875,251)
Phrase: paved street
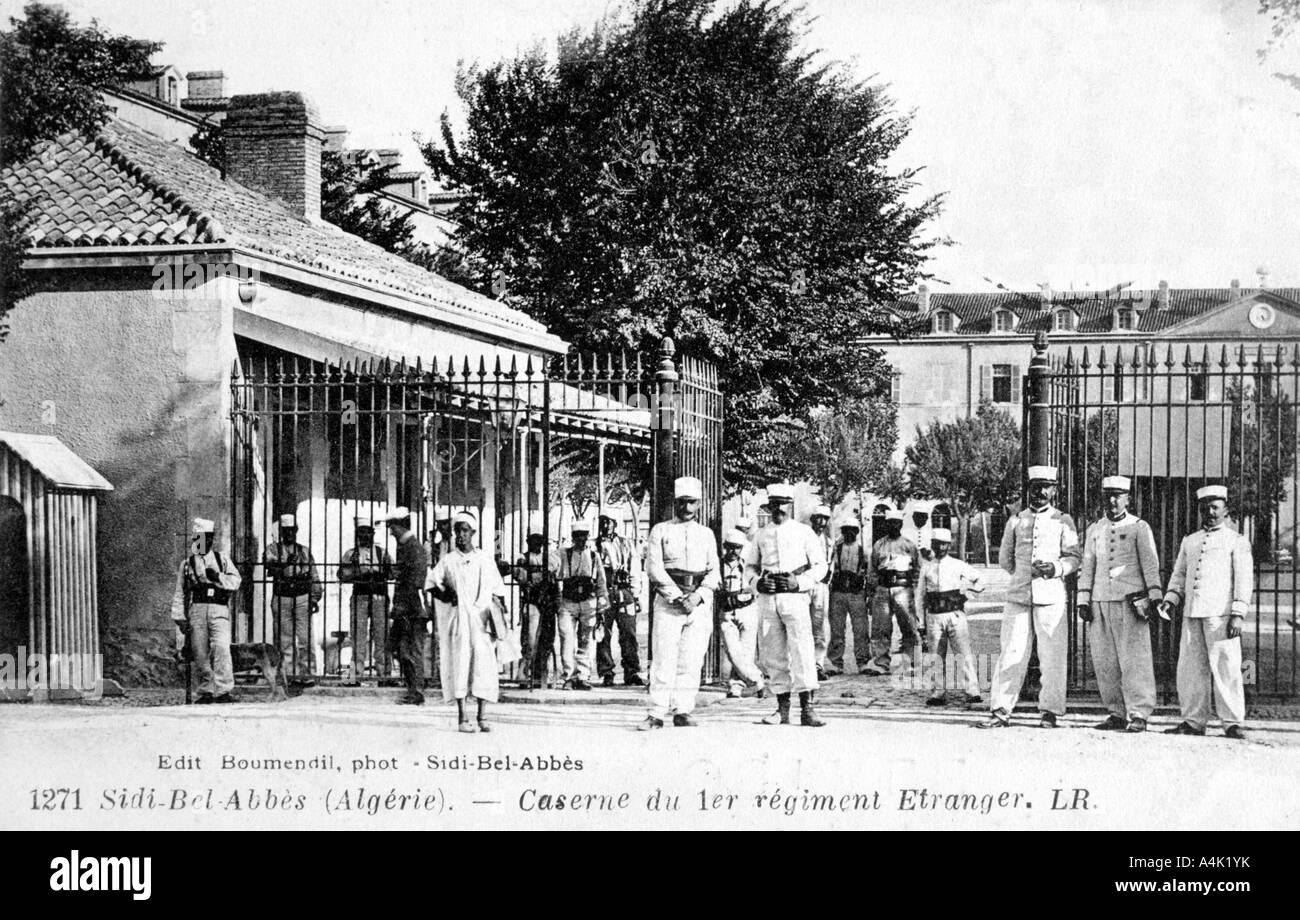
(866,769)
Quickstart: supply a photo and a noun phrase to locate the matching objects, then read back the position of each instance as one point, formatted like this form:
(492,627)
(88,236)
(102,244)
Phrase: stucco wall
(136,382)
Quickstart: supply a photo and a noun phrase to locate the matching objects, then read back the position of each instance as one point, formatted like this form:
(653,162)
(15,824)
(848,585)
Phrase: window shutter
(1015,385)
(1107,385)
(896,387)
(986,382)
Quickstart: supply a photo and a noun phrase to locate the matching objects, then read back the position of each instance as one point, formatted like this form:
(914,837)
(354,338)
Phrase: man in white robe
(467,578)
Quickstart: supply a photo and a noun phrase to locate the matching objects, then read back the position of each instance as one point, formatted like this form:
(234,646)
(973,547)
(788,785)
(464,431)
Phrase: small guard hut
(48,574)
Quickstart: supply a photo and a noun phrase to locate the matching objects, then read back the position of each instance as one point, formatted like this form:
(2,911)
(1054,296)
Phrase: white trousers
(819,607)
(952,627)
(678,644)
(575,623)
(1121,658)
(1209,660)
(1020,623)
(210,642)
(738,641)
(785,642)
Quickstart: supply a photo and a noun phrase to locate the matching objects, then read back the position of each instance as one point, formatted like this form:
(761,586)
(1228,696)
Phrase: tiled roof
(127,187)
(1094,311)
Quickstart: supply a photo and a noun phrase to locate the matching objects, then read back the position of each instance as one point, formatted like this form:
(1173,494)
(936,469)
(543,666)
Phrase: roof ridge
(207,228)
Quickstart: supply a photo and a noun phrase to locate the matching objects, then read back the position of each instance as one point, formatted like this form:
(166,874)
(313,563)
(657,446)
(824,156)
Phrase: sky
(1079,143)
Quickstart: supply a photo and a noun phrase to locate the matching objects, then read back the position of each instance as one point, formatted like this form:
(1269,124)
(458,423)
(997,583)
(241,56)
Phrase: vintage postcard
(650,415)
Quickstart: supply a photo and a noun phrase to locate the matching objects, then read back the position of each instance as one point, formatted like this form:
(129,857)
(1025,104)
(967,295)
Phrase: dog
(263,657)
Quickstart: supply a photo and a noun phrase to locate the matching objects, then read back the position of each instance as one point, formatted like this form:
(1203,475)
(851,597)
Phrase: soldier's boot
(807,715)
(782,714)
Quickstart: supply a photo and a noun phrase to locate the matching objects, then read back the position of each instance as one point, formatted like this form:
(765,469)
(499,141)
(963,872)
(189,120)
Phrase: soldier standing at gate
(1119,581)
(849,568)
(683,570)
(620,562)
(295,595)
(1214,578)
(820,600)
(895,562)
(201,611)
(408,637)
(583,594)
(739,625)
(941,599)
(537,594)
(367,568)
(1040,547)
(784,563)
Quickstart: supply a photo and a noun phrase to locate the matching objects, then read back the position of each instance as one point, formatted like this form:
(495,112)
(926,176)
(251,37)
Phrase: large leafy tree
(52,73)
(691,172)
(848,449)
(973,464)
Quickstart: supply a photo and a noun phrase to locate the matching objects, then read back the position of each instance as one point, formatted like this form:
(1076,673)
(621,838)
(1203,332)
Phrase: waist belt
(293,585)
(687,581)
(578,588)
(620,578)
(847,582)
(209,594)
(888,578)
(944,601)
(363,589)
(737,600)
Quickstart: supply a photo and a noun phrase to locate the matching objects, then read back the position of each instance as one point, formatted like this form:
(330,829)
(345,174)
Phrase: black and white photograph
(662,415)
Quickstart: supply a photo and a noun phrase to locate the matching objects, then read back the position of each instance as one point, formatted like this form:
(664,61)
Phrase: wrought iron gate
(520,446)
(1173,423)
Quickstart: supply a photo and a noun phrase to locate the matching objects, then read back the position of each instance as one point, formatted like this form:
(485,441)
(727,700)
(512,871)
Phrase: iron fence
(525,446)
(1174,420)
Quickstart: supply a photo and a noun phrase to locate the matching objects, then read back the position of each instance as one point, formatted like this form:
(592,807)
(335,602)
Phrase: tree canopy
(692,172)
(973,464)
(848,449)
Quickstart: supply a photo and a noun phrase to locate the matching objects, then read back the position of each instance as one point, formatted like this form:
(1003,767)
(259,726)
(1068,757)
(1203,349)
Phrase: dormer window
(1126,319)
(944,322)
(1004,321)
(1063,321)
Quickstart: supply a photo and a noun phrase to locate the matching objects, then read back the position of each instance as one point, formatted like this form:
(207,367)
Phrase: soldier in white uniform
(201,611)
(1040,547)
(1119,581)
(739,622)
(583,595)
(295,595)
(849,565)
(683,569)
(367,568)
(895,565)
(941,593)
(1213,579)
(820,600)
(784,563)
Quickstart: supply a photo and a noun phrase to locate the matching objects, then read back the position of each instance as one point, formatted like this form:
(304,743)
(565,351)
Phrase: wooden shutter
(1015,385)
(896,387)
(986,382)
(1107,384)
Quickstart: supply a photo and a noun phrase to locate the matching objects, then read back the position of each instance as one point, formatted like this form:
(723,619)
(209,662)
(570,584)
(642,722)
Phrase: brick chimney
(1234,289)
(273,144)
(336,138)
(1162,296)
(206,84)
(923,299)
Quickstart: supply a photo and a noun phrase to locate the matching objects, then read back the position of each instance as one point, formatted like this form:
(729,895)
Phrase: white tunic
(466,651)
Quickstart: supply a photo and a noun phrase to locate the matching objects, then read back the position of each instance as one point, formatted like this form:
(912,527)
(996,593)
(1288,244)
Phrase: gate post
(1038,439)
(663,422)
